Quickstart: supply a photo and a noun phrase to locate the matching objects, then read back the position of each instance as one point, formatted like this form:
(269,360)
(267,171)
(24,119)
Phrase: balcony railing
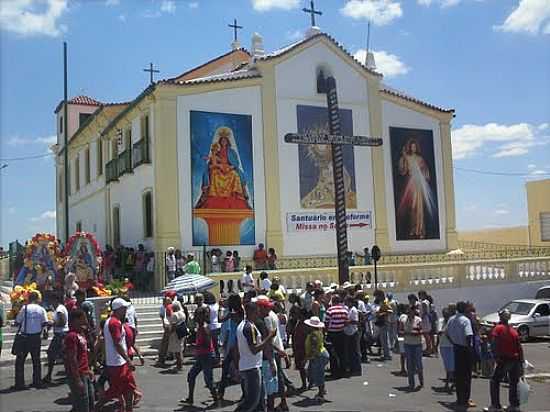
(111,171)
(125,162)
(141,152)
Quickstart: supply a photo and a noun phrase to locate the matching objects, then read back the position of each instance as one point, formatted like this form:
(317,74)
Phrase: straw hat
(314,322)
(348,285)
(264,301)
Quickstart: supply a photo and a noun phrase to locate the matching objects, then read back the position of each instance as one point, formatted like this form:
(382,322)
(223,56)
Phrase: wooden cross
(235,27)
(312,12)
(151,71)
(336,140)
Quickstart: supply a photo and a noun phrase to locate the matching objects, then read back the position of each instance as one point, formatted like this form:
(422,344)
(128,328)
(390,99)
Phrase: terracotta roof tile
(86,100)
(247,73)
(404,96)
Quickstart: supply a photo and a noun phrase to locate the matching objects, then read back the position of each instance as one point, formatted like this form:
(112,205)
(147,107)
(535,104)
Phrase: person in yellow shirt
(317,355)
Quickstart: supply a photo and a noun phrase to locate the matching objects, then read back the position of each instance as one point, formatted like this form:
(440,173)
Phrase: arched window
(147,214)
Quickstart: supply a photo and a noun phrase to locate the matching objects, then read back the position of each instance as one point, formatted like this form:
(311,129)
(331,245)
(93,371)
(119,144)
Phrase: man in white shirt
(247,280)
(352,344)
(119,367)
(170,263)
(60,329)
(30,319)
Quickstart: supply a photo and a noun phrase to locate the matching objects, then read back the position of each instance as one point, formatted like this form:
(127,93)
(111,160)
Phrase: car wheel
(523,333)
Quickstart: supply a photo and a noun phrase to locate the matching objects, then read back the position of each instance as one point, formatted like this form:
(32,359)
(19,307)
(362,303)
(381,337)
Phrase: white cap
(119,303)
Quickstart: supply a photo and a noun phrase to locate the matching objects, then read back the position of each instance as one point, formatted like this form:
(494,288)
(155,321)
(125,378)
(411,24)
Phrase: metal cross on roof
(312,12)
(235,27)
(151,70)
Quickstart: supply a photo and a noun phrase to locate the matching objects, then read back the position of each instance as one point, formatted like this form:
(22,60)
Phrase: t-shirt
(192,267)
(444,341)
(412,325)
(272,323)
(216,264)
(36,318)
(507,344)
(75,344)
(214,324)
(247,281)
(201,348)
(265,284)
(350,329)
(260,257)
(114,333)
(248,334)
(171,263)
(308,300)
(459,328)
(336,317)
(61,310)
(131,316)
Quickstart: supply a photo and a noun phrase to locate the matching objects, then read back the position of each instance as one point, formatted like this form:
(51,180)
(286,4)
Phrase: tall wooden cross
(151,71)
(336,140)
(312,12)
(235,27)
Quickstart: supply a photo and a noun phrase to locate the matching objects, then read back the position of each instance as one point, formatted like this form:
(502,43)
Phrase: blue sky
(487,59)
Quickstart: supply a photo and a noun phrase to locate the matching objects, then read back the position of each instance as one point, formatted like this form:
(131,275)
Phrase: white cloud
(386,63)
(266,5)
(442,3)
(168,6)
(506,140)
(110,3)
(122,18)
(294,35)
(47,215)
(194,5)
(502,212)
(530,16)
(379,12)
(11,210)
(531,166)
(21,141)
(33,17)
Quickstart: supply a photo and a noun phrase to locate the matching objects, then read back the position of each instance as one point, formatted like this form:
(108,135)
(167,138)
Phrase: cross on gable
(235,27)
(151,70)
(312,12)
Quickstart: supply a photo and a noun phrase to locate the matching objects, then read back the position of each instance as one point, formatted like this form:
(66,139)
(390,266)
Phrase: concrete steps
(148,338)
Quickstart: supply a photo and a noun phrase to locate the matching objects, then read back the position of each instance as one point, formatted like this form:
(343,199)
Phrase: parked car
(531,317)
(543,293)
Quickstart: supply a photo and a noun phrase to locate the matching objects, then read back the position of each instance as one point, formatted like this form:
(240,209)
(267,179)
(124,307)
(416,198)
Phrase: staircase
(147,341)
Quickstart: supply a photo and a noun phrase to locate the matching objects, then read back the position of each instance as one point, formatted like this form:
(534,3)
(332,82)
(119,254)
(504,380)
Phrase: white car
(531,317)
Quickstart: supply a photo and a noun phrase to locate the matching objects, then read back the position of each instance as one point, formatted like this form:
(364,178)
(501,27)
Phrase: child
(229,262)
(204,355)
(299,346)
(317,356)
(237,260)
(271,259)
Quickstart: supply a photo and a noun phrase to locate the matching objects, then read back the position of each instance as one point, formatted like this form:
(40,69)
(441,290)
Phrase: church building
(200,159)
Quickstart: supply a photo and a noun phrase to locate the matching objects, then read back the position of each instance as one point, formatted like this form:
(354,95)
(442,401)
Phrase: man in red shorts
(119,367)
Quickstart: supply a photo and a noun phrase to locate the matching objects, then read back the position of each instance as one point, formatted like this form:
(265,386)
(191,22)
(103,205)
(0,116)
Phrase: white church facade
(200,160)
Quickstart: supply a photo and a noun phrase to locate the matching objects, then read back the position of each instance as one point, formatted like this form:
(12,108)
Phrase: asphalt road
(377,390)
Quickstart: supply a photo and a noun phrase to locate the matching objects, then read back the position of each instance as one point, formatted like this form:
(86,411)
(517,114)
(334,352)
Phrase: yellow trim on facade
(447,160)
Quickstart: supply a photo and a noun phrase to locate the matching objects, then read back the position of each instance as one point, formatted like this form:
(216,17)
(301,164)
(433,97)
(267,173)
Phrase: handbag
(181,330)
(523,391)
(20,340)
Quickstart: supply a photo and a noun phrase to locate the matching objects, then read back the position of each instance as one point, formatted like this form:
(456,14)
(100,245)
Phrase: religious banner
(303,222)
(414,184)
(315,160)
(222,179)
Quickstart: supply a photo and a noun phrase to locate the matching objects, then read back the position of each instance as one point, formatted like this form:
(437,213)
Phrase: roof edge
(411,99)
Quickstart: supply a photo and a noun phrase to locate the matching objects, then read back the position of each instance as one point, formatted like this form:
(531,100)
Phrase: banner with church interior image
(222,179)
(315,161)
(414,184)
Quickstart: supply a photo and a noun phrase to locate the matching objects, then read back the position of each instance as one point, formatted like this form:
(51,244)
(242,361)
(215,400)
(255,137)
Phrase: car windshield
(519,308)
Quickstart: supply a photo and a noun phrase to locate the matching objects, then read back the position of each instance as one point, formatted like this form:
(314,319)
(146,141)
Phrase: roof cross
(235,27)
(151,70)
(312,12)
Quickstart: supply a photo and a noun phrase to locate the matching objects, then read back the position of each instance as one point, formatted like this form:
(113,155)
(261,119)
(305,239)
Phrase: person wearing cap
(271,320)
(118,364)
(317,355)
(509,361)
(251,345)
(192,266)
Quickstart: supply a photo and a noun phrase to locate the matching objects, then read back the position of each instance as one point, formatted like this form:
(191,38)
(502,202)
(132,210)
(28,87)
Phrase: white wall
(127,195)
(296,85)
(397,116)
(245,101)
(91,213)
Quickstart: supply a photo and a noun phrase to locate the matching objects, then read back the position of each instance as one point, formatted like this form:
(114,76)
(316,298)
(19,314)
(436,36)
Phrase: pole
(65,143)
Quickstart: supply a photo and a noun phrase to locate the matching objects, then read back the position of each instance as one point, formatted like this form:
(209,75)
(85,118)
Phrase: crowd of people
(253,333)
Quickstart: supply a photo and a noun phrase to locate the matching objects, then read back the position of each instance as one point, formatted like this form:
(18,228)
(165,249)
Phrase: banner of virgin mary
(222,179)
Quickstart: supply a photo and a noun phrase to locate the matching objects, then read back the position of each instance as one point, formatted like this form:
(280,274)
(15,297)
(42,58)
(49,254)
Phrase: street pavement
(378,389)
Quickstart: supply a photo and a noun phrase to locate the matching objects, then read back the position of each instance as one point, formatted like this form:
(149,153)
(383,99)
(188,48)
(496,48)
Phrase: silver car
(531,317)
